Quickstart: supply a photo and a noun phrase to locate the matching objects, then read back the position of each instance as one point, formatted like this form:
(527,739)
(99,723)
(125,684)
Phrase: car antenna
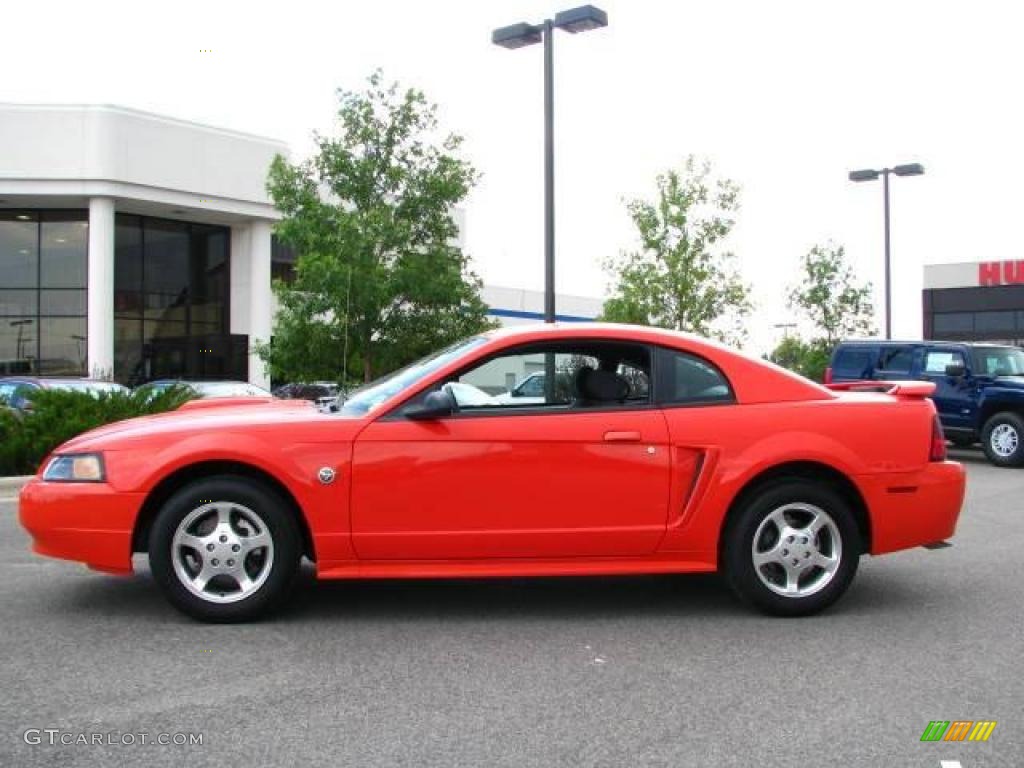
(344,351)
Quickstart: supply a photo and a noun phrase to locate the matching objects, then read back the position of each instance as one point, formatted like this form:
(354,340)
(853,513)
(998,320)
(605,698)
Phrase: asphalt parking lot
(659,671)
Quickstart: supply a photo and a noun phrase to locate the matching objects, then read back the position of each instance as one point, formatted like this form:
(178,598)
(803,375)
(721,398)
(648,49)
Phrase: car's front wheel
(224,549)
(792,548)
(1003,440)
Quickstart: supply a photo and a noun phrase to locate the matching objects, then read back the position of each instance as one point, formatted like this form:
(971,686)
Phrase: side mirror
(436,405)
(955,370)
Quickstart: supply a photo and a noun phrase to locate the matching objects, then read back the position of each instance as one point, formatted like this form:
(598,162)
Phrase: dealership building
(974,301)
(139,246)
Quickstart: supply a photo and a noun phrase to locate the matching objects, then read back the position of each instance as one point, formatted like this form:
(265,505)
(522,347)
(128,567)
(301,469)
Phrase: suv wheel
(1003,440)
(792,549)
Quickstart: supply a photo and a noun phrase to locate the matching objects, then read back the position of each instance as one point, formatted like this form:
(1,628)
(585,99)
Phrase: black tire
(962,442)
(273,511)
(737,554)
(998,454)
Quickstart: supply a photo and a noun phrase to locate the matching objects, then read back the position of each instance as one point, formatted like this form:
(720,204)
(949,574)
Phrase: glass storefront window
(19,249)
(171,287)
(953,322)
(43,269)
(171,293)
(63,244)
(995,321)
(62,350)
(18,344)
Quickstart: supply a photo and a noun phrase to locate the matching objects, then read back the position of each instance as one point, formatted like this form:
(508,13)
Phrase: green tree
(680,277)
(808,358)
(830,296)
(379,280)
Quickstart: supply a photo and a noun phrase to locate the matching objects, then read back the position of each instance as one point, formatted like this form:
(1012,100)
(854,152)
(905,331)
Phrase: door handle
(622,437)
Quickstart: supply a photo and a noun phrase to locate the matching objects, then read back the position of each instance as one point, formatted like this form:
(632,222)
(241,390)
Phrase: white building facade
(139,247)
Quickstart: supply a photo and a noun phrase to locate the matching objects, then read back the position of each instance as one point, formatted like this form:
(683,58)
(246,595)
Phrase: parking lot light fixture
(517,36)
(574,20)
(911,169)
(870,174)
(581,19)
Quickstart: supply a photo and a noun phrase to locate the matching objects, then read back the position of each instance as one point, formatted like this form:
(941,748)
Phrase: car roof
(618,331)
(44,379)
(920,343)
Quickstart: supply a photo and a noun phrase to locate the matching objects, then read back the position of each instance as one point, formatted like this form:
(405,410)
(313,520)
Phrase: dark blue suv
(979,388)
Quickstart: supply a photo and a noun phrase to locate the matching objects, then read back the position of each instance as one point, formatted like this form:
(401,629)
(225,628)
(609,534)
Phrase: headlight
(75,468)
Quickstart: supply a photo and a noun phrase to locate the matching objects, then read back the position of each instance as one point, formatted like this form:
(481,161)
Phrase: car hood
(297,420)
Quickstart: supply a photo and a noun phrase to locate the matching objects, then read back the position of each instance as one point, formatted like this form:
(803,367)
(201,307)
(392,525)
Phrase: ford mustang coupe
(648,452)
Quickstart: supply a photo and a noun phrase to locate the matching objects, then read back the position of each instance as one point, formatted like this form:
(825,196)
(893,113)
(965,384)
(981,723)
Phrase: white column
(101,288)
(260,298)
(239,278)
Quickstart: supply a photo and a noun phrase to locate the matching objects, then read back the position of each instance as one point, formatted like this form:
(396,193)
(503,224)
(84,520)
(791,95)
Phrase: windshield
(365,399)
(999,361)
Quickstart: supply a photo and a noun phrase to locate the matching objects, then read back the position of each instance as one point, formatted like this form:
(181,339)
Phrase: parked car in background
(323,393)
(16,391)
(670,454)
(529,390)
(979,388)
(207,389)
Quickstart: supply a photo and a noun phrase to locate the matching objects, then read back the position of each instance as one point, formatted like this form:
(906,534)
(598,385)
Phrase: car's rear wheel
(792,548)
(1002,439)
(224,549)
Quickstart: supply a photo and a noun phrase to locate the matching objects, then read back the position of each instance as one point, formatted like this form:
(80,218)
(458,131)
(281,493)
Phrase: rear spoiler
(914,390)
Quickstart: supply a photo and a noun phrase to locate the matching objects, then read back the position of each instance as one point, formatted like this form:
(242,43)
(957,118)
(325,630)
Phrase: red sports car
(642,451)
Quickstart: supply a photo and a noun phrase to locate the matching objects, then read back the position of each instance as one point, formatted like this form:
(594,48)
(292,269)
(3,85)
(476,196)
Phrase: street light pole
(549,173)
(888,258)
(574,20)
(870,174)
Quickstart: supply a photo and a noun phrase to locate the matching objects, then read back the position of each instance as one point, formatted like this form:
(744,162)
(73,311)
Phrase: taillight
(828,375)
(938,448)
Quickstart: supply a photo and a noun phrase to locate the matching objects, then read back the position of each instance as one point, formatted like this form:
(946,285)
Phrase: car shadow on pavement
(666,596)
(565,597)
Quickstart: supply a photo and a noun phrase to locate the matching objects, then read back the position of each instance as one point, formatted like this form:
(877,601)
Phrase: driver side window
(585,374)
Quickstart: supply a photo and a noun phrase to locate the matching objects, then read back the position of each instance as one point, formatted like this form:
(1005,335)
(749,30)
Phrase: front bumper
(910,509)
(88,522)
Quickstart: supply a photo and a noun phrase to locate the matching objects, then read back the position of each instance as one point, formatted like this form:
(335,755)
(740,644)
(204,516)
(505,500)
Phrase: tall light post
(870,174)
(580,19)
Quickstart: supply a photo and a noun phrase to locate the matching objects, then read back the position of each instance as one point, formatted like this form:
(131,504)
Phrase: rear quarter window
(896,359)
(693,380)
(854,362)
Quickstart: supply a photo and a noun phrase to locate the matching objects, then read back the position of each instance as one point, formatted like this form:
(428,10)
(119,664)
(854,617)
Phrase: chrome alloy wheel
(1004,440)
(797,550)
(222,552)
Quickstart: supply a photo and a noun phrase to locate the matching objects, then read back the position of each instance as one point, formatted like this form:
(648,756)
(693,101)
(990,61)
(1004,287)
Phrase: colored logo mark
(958,730)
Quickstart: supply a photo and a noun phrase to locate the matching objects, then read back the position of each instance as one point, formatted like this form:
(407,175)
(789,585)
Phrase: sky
(785,98)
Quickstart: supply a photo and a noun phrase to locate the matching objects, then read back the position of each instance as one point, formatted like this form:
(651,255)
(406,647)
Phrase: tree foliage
(378,278)
(830,297)
(837,306)
(680,277)
(808,358)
